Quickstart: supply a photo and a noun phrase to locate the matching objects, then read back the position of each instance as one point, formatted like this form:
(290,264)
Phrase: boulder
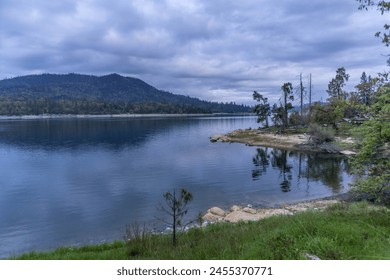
(217,211)
(215,138)
(235,208)
(249,210)
(208,217)
(237,216)
(218,138)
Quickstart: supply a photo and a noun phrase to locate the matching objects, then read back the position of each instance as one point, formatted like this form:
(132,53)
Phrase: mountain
(87,94)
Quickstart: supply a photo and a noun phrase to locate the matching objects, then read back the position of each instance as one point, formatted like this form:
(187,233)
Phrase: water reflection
(324,168)
(74,133)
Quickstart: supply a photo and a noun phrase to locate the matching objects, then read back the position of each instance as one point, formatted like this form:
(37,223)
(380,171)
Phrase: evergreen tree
(288,96)
(365,89)
(263,109)
(280,113)
(335,86)
(176,209)
(373,159)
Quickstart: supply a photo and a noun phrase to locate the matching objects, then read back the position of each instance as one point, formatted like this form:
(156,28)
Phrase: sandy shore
(255,137)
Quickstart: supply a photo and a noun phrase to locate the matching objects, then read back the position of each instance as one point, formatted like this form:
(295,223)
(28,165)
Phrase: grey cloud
(216,50)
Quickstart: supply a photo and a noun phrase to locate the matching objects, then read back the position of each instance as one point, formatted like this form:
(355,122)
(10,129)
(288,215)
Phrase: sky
(215,50)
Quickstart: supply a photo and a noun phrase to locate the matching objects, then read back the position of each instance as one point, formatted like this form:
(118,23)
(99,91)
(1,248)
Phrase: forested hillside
(86,94)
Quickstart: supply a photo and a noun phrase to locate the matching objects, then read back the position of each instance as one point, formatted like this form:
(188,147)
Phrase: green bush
(320,134)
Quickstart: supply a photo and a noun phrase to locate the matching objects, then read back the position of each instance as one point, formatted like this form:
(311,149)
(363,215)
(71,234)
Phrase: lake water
(80,181)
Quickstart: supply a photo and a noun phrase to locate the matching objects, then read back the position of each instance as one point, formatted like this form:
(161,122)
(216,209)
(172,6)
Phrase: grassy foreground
(344,231)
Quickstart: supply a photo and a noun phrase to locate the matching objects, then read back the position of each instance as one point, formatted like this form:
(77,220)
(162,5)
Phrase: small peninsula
(292,141)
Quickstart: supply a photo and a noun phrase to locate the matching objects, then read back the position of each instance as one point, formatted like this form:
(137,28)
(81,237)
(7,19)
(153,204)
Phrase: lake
(80,181)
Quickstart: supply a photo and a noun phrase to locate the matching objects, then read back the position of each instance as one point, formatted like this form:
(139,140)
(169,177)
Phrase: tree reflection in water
(314,167)
(261,162)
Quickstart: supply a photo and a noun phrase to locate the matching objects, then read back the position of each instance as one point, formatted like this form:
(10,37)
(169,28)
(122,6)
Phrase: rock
(253,215)
(238,216)
(315,205)
(249,210)
(217,211)
(237,213)
(218,137)
(311,257)
(208,217)
(347,153)
(235,208)
(265,213)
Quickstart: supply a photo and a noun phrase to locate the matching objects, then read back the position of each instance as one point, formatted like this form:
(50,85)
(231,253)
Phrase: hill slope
(86,94)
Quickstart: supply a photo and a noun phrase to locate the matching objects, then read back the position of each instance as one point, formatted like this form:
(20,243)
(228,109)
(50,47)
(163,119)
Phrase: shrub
(320,134)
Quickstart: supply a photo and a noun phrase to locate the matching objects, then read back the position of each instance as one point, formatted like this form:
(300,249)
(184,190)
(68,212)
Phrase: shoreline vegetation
(328,229)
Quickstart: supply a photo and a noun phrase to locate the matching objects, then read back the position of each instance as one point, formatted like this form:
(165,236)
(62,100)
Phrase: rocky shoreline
(244,214)
(294,142)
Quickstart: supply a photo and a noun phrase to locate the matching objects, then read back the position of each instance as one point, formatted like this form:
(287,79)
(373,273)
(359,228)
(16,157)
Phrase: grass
(342,232)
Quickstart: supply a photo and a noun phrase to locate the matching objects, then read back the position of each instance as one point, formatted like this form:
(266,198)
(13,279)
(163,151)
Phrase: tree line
(85,94)
(46,105)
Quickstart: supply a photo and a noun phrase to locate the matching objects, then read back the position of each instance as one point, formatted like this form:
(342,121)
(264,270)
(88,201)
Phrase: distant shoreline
(81,116)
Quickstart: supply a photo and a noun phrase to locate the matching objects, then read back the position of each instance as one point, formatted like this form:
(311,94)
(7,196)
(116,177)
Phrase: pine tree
(263,109)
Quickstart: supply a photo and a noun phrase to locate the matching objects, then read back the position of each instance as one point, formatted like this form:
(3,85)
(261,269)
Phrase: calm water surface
(80,181)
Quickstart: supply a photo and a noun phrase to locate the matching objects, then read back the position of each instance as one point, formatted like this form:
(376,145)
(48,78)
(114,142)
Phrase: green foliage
(280,113)
(288,96)
(319,134)
(335,86)
(366,89)
(277,114)
(263,109)
(138,240)
(373,159)
(328,113)
(342,232)
(176,209)
(383,7)
(296,119)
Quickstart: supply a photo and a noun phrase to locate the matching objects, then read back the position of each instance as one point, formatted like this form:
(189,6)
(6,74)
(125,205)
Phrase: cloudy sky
(217,50)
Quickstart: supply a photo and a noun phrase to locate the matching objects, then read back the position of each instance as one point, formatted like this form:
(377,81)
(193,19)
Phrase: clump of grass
(107,251)
(343,231)
(138,239)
